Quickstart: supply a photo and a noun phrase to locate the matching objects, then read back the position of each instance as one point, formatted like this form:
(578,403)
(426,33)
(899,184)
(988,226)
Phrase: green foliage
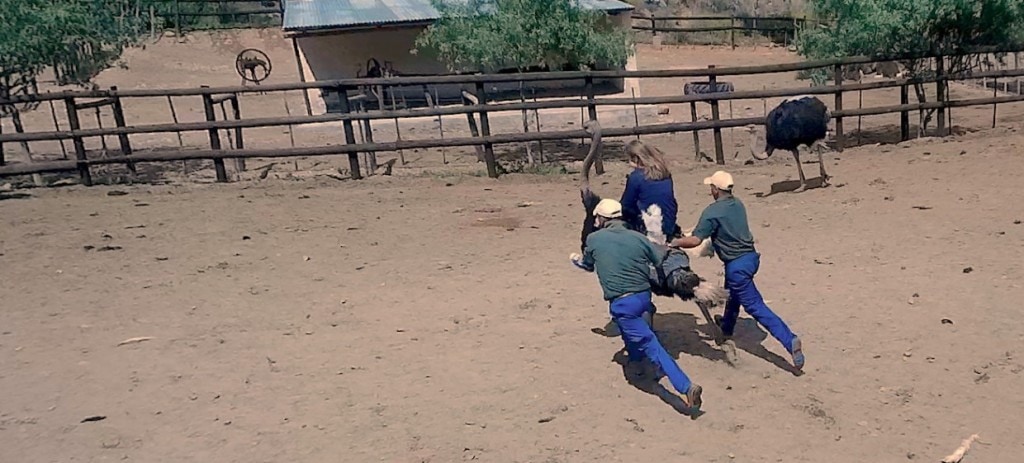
(493,35)
(78,38)
(196,16)
(889,27)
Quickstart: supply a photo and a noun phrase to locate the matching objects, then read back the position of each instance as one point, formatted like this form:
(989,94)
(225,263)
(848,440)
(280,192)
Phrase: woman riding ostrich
(673,277)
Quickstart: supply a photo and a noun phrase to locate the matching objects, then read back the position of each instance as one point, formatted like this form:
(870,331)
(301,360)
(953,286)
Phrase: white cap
(608,208)
(721,180)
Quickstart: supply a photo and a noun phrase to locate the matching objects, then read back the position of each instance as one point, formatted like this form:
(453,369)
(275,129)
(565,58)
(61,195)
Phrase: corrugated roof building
(338,39)
(321,15)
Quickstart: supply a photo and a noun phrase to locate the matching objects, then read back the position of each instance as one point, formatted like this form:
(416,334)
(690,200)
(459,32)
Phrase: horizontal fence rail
(477,103)
(502,107)
(488,78)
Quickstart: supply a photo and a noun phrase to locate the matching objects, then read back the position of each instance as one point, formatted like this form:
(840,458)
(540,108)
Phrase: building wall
(346,55)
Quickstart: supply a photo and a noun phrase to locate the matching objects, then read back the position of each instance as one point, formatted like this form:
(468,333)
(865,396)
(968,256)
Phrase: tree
(896,27)
(495,35)
(524,35)
(74,38)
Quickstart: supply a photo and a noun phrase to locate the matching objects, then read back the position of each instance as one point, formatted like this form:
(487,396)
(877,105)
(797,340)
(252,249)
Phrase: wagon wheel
(252,65)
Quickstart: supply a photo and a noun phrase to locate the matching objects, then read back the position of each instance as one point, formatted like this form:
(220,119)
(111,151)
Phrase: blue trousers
(739,280)
(640,341)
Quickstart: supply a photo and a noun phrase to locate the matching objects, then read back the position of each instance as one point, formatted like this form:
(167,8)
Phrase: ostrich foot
(729,348)
(726,344)
(825,180)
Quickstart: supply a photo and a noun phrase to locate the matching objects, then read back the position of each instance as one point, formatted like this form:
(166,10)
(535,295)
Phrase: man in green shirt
(725,222)
(623,260)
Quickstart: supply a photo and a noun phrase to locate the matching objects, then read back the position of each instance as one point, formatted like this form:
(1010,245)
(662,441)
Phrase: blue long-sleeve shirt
(641,193)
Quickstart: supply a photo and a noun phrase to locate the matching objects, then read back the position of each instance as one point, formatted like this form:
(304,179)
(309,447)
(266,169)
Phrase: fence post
(211,116)
(696,133)
(83,166)
(904,114)
(177,19)
(592,112)
(940,90)
(995,93)
(732,32)
(236,112)
(372,156)
(473,129)
(350,135)
(122,138)
(654,27)
(485,129)
(838,70)
(719,151)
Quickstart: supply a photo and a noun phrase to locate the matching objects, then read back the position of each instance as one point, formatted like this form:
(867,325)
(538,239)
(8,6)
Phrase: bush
(492,35)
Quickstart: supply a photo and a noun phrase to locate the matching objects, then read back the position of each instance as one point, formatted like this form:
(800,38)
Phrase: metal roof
(309,15)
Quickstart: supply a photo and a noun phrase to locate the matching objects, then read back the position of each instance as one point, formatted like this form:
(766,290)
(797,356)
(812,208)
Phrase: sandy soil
(435,318)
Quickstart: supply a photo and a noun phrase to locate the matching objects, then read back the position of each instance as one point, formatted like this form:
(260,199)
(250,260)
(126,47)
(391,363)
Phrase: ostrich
(674,276)
(796,121)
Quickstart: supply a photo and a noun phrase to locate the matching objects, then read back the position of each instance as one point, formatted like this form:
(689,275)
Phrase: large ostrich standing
(796,121)
(674,277)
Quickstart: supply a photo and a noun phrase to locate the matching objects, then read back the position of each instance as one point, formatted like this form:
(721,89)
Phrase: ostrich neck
(588,162)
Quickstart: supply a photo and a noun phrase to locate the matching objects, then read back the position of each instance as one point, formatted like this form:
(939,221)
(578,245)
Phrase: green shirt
(622,259)
(725,222)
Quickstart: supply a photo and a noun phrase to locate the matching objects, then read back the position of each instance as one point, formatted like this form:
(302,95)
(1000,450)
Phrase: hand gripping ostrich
(674,276)
(794,122)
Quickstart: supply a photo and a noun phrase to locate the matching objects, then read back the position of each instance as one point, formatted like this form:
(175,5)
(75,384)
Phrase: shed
(338,39)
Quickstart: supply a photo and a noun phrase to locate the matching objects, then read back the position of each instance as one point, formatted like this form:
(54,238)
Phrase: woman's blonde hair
(648,158)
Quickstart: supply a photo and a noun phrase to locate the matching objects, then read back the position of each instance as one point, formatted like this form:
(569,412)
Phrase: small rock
(546,419)
(968,269)
(93,419)
(732,456)
(305,258)
(908,354)
(116,193)
(663,110)
(946,321)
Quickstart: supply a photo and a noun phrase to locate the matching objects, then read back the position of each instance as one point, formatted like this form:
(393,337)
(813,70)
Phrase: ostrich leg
(800,169)
(821,165)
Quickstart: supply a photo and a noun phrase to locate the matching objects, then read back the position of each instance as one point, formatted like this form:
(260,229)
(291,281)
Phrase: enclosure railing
(788,25)
(185,13)
(477,105)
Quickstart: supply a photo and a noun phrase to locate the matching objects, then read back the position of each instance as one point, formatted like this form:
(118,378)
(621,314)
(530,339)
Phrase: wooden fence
(789,26)
(477,105)
(220,14)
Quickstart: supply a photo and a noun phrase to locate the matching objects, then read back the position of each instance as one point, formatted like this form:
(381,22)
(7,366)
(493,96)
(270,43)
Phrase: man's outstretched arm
(704,229)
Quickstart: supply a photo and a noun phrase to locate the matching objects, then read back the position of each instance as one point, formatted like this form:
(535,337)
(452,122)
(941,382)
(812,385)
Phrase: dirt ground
(436,318)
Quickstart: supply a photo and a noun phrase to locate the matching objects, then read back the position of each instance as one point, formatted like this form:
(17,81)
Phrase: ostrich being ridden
(673,277)
(794,122)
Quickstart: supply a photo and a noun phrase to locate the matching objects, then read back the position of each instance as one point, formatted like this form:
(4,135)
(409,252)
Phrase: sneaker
(798,353)
(693,397)
(611,329)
